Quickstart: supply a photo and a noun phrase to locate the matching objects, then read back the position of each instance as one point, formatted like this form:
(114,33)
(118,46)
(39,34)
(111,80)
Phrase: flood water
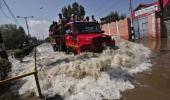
(149,85)
(154,84)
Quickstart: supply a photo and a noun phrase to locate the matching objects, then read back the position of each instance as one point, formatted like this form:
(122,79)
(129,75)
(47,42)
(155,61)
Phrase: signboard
(147,10)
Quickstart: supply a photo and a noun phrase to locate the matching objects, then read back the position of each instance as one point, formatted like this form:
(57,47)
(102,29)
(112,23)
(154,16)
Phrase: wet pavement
(154,84)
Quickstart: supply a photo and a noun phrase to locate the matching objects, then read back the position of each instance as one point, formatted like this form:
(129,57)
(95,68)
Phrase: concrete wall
(167,24)
(121,28)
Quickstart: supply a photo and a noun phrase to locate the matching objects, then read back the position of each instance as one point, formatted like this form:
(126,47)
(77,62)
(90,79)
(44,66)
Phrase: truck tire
(71,50)
(63,48)
(54,48)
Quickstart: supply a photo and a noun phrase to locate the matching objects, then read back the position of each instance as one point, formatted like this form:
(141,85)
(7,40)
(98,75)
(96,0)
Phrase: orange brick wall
(105,28)
(122,26)
(124,29)
(113,28)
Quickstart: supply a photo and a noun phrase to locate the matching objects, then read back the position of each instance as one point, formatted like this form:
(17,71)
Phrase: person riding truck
(54,33)
(61,23)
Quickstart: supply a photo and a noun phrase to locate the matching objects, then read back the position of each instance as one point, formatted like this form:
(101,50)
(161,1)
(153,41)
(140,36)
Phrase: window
(87,28)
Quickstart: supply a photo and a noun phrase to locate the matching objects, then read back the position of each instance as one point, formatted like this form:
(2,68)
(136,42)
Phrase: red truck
(82,36)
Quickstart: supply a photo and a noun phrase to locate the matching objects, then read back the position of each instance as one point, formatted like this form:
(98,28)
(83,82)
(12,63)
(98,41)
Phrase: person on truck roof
(55,28)
(87,19)
(62,21)
(72,18)
(77,18)
(93,19)
(82,18)
(52,28)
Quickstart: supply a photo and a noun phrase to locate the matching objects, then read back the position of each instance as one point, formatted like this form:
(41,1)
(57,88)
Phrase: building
(147,20)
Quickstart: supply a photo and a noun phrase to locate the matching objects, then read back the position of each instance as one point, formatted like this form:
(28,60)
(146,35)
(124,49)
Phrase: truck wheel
(63,48)
(54,48)
(75,51)
(68,50)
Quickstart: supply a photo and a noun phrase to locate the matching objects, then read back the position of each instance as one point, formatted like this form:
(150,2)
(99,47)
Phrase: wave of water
(88,76)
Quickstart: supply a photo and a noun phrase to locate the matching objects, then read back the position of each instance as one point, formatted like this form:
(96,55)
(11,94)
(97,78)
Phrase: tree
(13,37)
(113,16)
(75,9)
(5,68)
(123,16)
(82,11)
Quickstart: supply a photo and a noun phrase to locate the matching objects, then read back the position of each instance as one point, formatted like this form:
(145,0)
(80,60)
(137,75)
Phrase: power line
(10,11)
(26,22)
(2,10)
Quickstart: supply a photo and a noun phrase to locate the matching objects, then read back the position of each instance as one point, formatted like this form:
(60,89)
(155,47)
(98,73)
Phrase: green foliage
(19,54)
(75,9)
(13,37)
(123,16)
(47,39)
(113,16)
(5,68)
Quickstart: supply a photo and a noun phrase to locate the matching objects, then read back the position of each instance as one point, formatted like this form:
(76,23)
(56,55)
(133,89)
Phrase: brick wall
(158,28)
(123,28)
(105,29)
(151,24)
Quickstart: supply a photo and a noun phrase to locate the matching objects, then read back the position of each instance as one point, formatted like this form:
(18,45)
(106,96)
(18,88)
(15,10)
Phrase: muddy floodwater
(154,84)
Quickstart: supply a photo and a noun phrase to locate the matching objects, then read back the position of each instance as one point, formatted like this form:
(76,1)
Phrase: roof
(140,6)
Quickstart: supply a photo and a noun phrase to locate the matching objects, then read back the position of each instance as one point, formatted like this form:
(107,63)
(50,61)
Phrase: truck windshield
(82,28)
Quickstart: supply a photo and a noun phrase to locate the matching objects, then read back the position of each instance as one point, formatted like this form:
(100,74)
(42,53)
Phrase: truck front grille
(97,42)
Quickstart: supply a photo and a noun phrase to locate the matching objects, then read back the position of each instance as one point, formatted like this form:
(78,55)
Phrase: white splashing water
(88,76)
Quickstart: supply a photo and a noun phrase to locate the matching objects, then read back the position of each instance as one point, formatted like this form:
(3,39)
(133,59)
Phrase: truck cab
(86,36)
(81,36)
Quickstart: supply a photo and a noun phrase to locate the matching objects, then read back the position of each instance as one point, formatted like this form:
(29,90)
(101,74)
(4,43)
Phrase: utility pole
(161,18)
(3,53)
(131,20)
(26,21)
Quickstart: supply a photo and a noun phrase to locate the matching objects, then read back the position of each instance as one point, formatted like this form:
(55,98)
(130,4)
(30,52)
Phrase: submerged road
(155,84)
(150,85)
